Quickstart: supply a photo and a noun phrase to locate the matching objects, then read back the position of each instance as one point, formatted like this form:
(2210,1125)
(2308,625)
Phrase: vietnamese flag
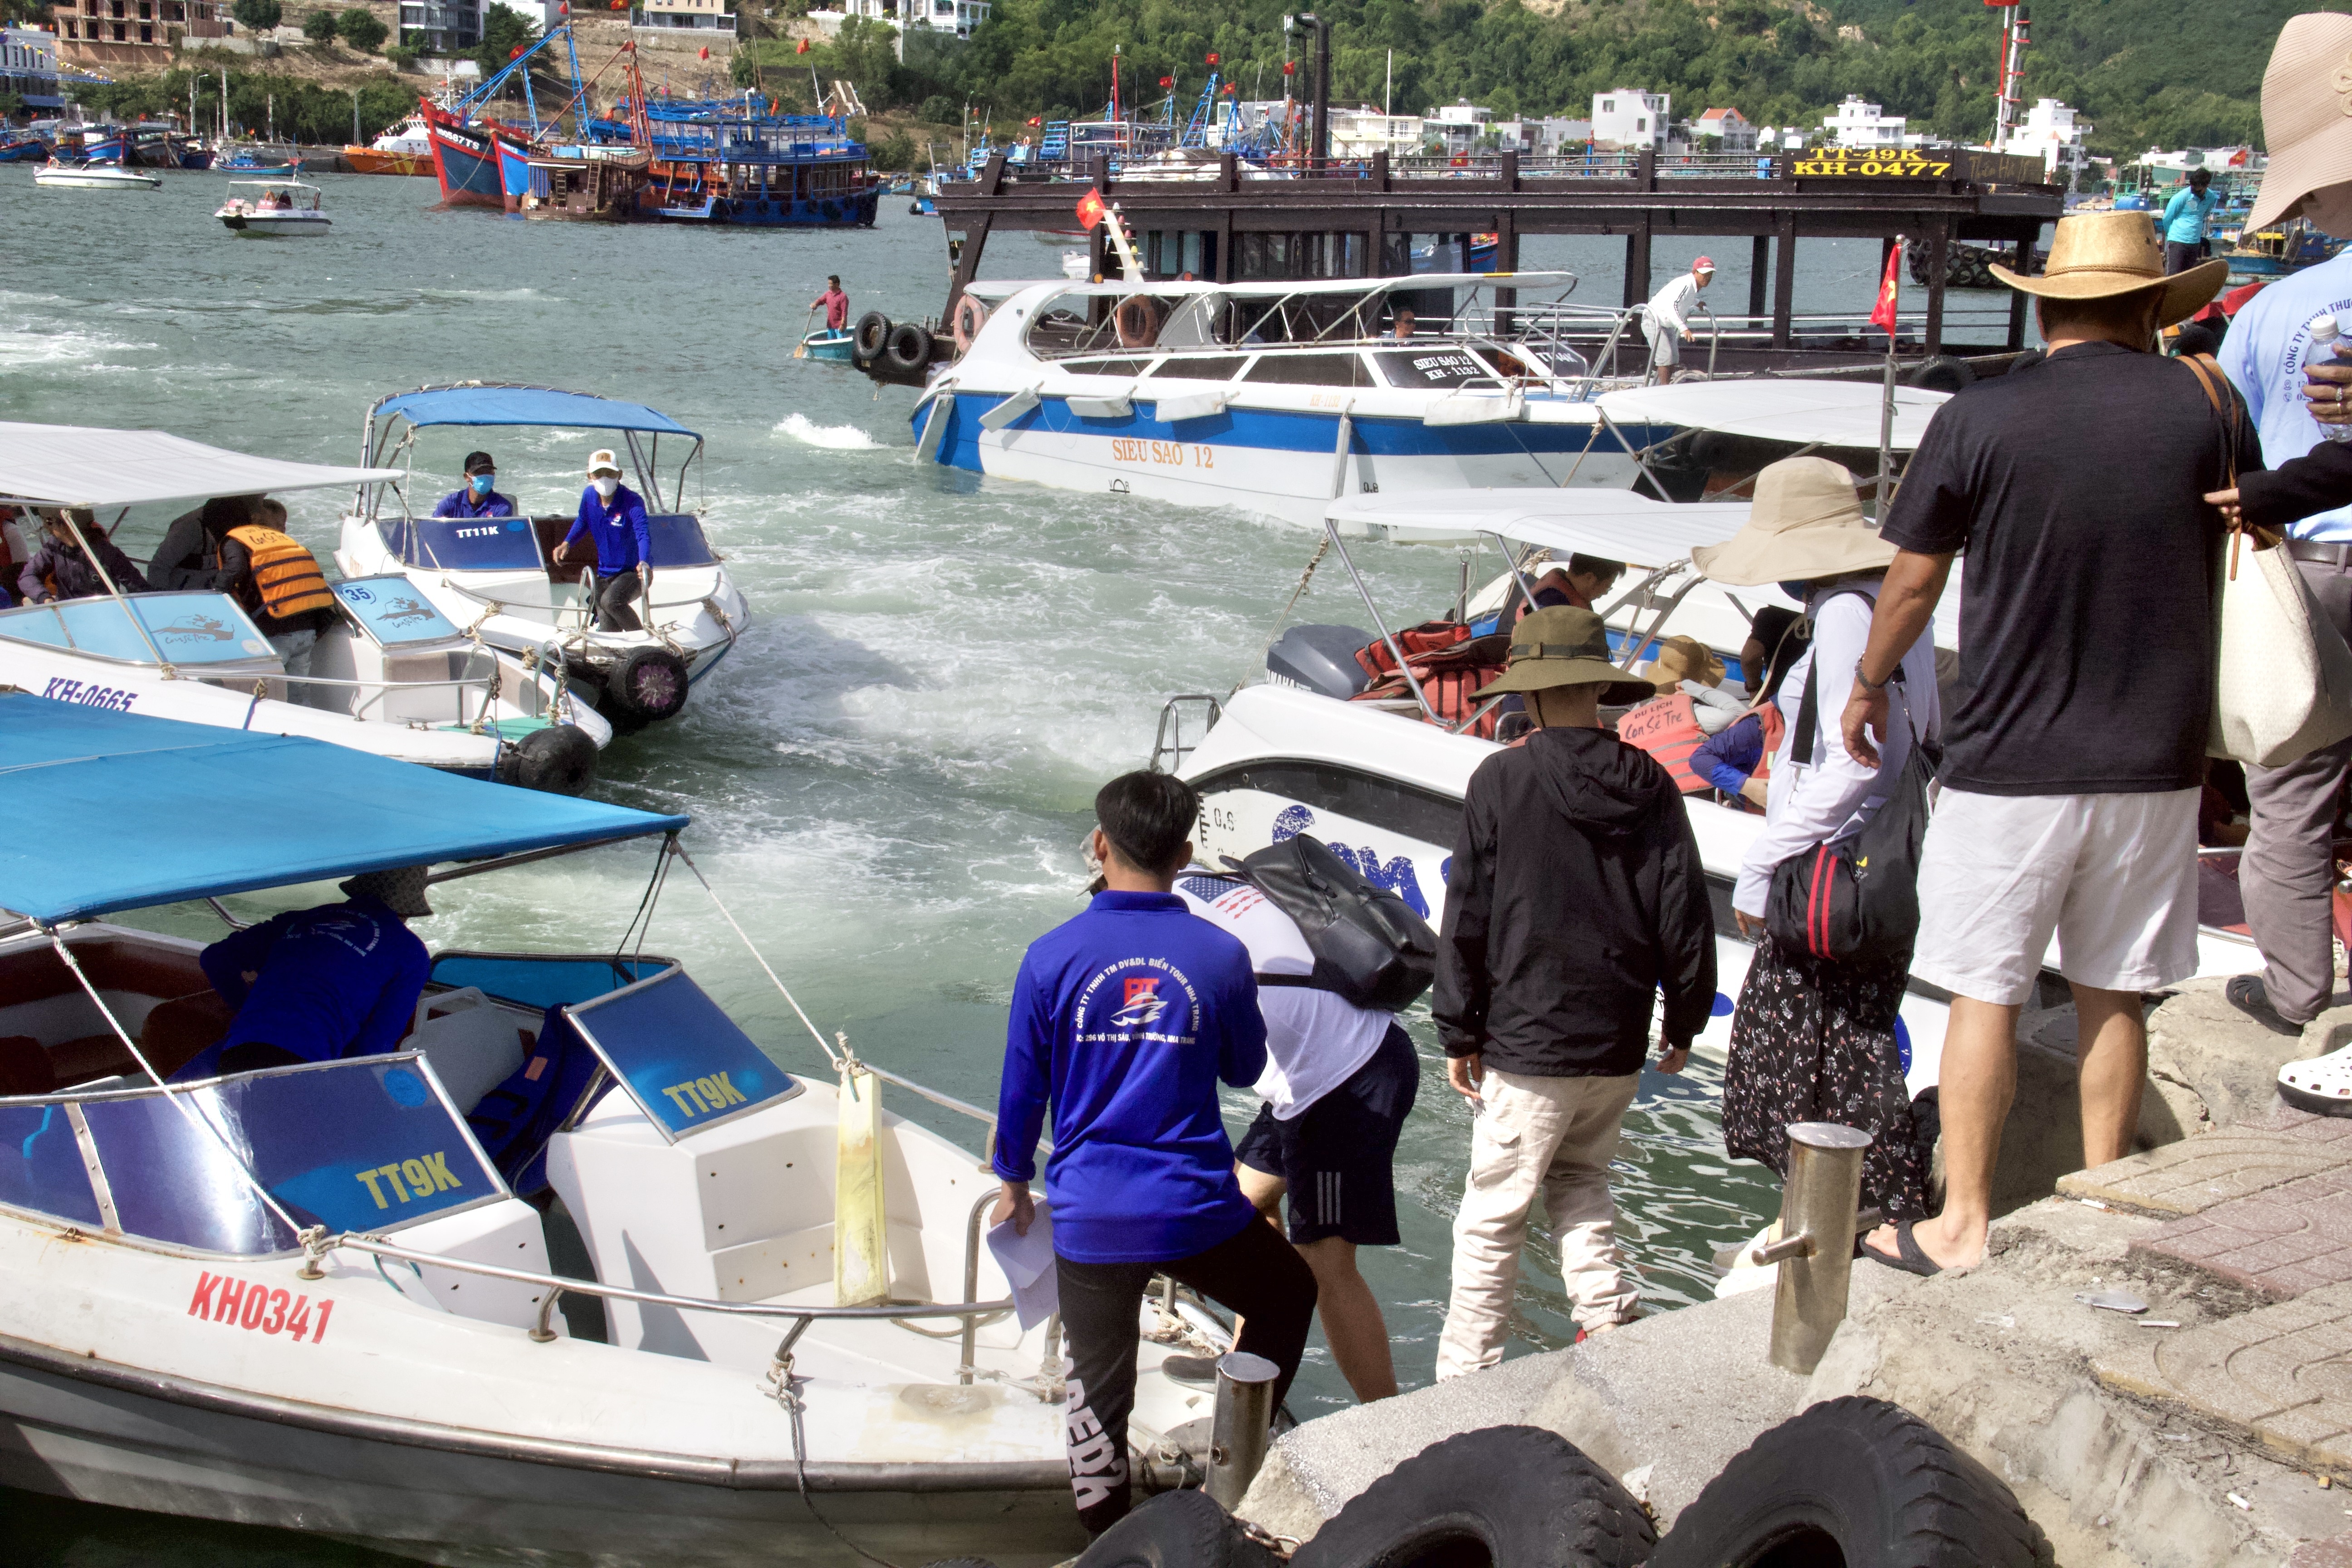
(706,51)
(804,48)
(1091,210)
(1213,60)
(1168,82)
(1882,313)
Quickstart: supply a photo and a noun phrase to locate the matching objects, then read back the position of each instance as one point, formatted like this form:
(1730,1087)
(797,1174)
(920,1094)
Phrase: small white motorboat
(94,177)
(284,210)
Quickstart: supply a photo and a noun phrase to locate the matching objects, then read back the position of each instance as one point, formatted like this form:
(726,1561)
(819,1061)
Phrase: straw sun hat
(2097,256)
(2307,122)
(1805,524)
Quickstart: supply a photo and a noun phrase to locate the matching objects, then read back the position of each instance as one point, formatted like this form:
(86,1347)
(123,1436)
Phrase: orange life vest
(1667,727)
(1450,679)
(1429,638)
(1775,728)
(286,577)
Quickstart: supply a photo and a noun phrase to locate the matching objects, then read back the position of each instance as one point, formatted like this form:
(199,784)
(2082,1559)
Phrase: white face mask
(605,485)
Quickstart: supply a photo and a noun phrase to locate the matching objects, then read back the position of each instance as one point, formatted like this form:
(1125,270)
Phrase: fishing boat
(391,676)
(498,576)
(406,148)
(285,209)
(23,147)
(93,176)
(739,162)
(1269,396)
(832,344)
(257,158)
(314,1298)
(465,159)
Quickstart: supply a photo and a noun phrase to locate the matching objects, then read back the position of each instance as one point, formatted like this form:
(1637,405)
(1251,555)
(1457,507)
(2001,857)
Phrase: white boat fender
(935,425)
(1475,408)
(1119,406)
(1191,405)
(861,1262)
(1011,408)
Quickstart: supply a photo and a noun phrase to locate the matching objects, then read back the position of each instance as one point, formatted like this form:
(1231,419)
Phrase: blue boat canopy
(119,810)
(494,404)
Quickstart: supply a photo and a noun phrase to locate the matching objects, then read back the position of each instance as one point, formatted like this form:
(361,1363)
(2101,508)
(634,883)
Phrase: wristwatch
(1866,683)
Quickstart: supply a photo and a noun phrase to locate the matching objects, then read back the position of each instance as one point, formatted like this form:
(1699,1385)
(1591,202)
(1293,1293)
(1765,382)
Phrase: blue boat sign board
(392,612)
(467,543)
(186,628)
(684,1062)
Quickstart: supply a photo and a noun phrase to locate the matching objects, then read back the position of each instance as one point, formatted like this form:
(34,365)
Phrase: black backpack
(1368,945)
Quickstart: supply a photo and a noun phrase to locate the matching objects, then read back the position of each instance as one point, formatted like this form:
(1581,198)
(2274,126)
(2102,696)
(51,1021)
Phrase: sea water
(890,775)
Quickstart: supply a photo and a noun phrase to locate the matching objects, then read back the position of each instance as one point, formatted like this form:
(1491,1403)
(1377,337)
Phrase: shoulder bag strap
(2232,414)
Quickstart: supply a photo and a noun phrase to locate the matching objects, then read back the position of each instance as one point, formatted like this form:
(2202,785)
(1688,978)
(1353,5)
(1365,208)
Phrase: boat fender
(1513,1495)
(908,349)
(649,684)
(1858,1477)
(865,340)
(1943,372)
(1368,944)
(970,315)
(1177,1530)
(1138,323)
(1668,729)
(558,760)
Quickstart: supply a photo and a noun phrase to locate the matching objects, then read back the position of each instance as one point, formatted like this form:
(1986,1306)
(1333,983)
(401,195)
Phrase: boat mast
(2008,98)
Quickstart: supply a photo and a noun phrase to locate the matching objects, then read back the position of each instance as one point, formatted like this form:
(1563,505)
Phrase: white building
(957,16)
(441,26)
(1359,132)
(28,67)
(1630,117)
(1863,126)
(1453,128)
(1724,131)
(2052,133)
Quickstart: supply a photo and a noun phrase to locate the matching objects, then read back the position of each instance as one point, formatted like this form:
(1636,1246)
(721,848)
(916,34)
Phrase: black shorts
(1338,1155)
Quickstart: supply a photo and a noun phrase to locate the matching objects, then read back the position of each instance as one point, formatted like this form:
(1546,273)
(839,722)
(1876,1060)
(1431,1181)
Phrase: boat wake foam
(836,438)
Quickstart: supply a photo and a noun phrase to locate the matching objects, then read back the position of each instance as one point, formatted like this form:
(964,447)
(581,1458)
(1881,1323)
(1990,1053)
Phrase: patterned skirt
(1813,1040)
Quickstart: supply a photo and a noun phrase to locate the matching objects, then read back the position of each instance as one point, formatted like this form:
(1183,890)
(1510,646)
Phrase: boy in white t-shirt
(1339,1082)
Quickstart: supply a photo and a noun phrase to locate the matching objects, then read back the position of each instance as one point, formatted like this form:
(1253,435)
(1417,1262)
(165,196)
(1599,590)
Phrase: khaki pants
(1552,1138)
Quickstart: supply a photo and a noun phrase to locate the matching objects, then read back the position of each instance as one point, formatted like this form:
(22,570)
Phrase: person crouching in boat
(271,574)
(613,516)
(322,983)
(479,497)
(61,569)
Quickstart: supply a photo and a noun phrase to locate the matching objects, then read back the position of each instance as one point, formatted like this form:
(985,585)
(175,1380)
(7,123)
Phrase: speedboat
(1273,397)
(392,676)
(293,212)
(93,176)
(717,1312)
(499,578)
(257,158)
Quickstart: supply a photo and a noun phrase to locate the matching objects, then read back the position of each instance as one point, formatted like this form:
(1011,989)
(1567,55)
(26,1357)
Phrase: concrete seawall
(2224,1437)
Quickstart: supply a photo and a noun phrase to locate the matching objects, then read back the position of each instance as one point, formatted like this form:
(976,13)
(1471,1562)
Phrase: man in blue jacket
(481,497)
(1124,1019)
(613,516)
(2185,216)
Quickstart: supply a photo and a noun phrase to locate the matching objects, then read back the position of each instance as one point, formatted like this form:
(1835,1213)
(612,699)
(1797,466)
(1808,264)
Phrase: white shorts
(1665,344)
(2113,876)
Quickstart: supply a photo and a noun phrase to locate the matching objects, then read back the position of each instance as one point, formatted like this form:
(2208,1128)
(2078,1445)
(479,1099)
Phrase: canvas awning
(486,403)
(1825,413)
(1618,525)
(88,464)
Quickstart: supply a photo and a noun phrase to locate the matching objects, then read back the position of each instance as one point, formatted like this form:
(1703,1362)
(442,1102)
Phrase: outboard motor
(1320,658)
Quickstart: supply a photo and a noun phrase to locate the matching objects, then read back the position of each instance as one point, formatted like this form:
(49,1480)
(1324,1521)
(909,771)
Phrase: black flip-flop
(1911,1259)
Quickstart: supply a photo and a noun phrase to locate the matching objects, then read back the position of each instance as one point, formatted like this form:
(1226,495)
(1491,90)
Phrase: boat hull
(275,225)
(761,212)
(109,179)
(466,163)
(369,161)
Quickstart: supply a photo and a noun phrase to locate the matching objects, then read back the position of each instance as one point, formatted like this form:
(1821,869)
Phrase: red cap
(1703,264)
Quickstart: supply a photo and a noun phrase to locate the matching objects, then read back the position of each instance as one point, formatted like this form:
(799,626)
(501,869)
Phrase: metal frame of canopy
(632,419)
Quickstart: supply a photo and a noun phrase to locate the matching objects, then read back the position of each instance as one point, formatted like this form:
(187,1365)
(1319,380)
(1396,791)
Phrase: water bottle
(2327,333)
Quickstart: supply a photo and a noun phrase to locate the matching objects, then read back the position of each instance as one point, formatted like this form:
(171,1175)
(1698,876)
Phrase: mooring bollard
(1243,1427)
(1815,1251)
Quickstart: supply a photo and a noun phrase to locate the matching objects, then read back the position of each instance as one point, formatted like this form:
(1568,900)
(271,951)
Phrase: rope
(788,1393)
(840,1062)
(1321,547)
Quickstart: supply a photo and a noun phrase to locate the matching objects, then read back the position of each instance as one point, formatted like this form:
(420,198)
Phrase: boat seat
(551,531)
(474,1043)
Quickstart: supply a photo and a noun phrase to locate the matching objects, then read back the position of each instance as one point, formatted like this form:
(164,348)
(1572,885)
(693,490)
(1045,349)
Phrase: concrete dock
(2215,1427)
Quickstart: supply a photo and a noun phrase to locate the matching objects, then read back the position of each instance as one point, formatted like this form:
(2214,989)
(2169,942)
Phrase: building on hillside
(696,15)
(1631,117)
(1358,133)
(957,16)
(28,67)
(1457,129)
(1866,127)
(441,26)
(2052,133)
(132,32)
(1724,131)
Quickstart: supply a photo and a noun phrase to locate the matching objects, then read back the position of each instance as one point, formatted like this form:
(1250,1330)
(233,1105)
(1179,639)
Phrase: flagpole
(1886,407)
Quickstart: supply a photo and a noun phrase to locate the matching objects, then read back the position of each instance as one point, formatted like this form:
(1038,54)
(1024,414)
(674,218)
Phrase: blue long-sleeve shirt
(1124,1019)
(2268,344)
(618,526)
(461,503)
(339,980)
(2185,214)
(1727,758)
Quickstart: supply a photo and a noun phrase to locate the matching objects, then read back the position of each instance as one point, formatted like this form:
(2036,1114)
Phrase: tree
(319,26)
(258,15)
(361,30)
(893,153)
(504,30)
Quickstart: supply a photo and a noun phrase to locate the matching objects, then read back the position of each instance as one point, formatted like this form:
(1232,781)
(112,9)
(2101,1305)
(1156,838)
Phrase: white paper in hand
(1028,1264)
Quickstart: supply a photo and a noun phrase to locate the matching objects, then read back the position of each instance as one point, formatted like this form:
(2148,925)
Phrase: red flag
(1290,67)
(1883,314)
(1036,120)
(1229,87)
(515,53)
(1213,60)
(1091,210)
(802,48)
(1168,82)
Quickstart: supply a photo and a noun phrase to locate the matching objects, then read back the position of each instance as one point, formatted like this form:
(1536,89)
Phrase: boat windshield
(392,612)
(370,1143)
(677,540)
(467,543)
(686,1063)
(185,628)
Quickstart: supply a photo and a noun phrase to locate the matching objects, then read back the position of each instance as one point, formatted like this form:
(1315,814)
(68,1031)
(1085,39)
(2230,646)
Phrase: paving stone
(2279,1242)
(2332,1553)
(2199,1173)
(2282,1375)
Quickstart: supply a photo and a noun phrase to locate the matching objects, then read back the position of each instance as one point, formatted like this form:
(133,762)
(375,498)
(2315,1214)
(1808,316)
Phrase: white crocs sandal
(2322,1085)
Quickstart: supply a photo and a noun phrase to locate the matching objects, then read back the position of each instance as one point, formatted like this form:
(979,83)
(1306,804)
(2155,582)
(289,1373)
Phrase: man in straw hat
(2292,392)
(2074,763)
(1575,896)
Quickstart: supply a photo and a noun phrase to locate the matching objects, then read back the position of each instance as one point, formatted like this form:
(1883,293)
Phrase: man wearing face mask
(612,515)
(481,497)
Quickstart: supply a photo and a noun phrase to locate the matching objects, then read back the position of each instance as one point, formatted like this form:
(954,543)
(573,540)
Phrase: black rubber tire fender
(1862,1478)
(1517,1497)
(560,760)
(1176,1530)
(649,683)
(865,339)
(1942,373)
(961,1562)
(908,348)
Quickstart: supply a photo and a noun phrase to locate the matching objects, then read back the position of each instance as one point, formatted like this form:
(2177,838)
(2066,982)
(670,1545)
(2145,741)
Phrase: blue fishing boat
(735,160)
(23,149)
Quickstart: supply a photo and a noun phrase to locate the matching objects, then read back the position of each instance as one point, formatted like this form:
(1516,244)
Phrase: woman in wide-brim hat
(1813,1040)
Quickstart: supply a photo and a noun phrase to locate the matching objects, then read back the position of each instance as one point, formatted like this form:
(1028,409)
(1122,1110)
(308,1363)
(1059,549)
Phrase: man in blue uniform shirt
(613,516)
(481,497)
(1124,1019)
(318,985)
(2185,217)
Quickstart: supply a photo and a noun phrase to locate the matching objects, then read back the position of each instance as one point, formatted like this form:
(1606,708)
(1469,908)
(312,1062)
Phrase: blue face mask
(481,483)
(1797,591)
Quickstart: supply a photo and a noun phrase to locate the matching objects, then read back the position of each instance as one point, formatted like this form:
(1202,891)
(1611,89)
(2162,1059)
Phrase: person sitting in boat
(13,552)
(1738,759)
(836,304)
(1400,323)
(613,516)
(1579,585)
(480,496)
(322,983)
(60,569)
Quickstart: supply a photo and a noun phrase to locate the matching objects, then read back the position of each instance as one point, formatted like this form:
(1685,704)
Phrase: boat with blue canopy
(702,1309)
(499,577)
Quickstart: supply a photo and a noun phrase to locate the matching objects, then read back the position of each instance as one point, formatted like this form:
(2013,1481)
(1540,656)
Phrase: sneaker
(2249,995)
(2322,1085)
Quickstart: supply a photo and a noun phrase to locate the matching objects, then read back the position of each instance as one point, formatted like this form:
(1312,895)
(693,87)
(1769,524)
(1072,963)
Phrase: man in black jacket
(1575,897)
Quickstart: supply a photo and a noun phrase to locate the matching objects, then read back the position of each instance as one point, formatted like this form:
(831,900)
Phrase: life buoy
(286,577)
(970,315)
(1667,727)
(1138,323)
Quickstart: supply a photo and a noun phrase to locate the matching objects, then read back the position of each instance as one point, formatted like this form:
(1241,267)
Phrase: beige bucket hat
(1563,645)
(1680,660)
(2097,256)
(1806,524)
(2307,122)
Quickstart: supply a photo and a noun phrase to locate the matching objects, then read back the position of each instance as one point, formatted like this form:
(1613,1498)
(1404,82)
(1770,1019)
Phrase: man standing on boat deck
(1124,1019)
(480,496)
(2185,216)
(613,516)
(835,303)
(1668,325)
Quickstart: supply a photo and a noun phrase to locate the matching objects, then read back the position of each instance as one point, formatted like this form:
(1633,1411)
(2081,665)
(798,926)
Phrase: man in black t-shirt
(2073,765)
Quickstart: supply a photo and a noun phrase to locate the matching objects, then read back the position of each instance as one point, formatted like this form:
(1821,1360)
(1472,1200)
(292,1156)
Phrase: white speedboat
(392,675)
(94,177)
(1274,398)
(285,209)
(499,578)
(310,1298)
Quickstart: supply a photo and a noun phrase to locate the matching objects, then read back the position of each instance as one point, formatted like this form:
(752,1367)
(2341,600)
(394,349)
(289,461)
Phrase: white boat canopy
(88,465)
(1618,525)
(1808,413)
(1284,289)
